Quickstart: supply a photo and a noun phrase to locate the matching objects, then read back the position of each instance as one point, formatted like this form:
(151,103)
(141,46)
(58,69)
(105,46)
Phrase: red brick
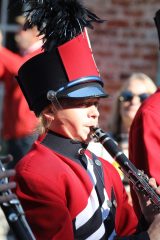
(127,42)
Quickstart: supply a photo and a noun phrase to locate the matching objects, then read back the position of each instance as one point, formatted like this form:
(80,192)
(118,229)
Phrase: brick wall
(127,42)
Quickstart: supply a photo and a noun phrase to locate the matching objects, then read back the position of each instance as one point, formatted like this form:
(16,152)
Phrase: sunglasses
(127,96)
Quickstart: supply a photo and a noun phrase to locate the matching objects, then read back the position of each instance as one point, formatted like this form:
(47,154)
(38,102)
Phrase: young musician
(68,192)
(144,134)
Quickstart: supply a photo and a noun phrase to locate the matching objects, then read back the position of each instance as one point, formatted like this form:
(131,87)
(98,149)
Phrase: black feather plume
(57,20)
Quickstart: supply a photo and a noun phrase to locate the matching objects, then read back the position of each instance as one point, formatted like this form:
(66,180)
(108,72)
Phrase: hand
(148,209)
(6,186)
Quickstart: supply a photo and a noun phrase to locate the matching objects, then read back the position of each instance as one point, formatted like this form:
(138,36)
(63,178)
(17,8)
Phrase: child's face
(76,118)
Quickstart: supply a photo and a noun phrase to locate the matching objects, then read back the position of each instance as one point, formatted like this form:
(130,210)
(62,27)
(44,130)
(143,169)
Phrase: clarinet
(135,176)
(14,214)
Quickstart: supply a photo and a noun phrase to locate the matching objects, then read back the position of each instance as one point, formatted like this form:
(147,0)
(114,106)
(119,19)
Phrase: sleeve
(10,60)
(144,146)
(45,206)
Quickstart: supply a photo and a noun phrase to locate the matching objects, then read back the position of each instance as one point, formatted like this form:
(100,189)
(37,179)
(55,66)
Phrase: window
(8,28)
(7,24)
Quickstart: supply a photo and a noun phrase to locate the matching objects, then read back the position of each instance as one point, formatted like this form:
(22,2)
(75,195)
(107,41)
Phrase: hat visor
(86,90)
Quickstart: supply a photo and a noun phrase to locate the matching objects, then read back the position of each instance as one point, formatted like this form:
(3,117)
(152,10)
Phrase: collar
(65,146)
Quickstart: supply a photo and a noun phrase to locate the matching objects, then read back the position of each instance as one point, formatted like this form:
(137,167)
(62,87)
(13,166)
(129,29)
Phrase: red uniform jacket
(144,143)
(18,120)
(54,190)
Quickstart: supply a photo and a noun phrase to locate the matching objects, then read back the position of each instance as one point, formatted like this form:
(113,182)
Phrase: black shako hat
(67,66)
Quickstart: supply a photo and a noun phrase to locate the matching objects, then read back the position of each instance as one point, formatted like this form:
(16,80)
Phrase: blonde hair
(44,124)
(115,120)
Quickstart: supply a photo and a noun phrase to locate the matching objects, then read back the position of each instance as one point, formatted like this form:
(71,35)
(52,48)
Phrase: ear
(48,116)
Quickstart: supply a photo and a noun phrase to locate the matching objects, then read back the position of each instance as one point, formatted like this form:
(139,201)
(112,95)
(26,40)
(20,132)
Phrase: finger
(152,183)
(7,198)
(6,159)
(7,186)
(7,173)
(158,190)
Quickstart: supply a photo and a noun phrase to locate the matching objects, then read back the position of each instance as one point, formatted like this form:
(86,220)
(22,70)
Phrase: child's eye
(96,104)
(80,104)
(89,104)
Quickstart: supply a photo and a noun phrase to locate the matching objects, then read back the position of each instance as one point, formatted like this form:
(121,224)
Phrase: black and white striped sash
(96,221)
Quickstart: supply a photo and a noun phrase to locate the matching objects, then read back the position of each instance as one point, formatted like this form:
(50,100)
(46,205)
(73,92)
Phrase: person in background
(137,88)
(144,139)
(27,41)
(59,178)
(19,122)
